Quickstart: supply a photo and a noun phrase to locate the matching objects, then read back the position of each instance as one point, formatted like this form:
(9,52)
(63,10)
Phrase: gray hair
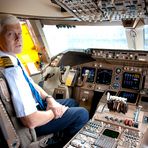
(8,20)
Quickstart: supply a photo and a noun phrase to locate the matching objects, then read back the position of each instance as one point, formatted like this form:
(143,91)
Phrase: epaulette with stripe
(6,62)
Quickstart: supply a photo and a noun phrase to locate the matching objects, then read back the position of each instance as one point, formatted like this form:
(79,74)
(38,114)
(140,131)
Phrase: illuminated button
(119,128)
(118,70)
(116,85)
(102,124)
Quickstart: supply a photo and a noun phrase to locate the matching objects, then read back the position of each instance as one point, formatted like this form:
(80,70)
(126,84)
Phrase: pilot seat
(13,133)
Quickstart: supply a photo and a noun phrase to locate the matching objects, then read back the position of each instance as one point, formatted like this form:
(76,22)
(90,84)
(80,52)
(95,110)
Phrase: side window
(29,54)
(146,37)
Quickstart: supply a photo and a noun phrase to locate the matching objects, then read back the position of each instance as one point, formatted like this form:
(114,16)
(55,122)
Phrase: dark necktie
(36,94)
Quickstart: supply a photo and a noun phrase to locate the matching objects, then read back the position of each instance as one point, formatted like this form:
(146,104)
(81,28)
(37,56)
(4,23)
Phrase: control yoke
(85,76)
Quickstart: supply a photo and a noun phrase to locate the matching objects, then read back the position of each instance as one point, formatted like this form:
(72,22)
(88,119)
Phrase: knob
(84,99)
(106,117)
(102,124)
(119,128)
(139,134)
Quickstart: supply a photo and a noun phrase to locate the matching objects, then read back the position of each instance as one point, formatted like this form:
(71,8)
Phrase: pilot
(33,106)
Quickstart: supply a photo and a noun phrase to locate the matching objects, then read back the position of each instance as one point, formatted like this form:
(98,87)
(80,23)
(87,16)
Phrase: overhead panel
(105,10)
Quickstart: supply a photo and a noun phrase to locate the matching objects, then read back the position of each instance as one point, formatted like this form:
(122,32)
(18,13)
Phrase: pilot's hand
(57,109)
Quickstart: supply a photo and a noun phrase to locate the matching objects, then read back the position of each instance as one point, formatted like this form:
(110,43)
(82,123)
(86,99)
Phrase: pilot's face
(11,39)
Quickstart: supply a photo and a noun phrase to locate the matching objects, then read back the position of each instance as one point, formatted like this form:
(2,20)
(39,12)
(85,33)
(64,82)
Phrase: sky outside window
(83,37)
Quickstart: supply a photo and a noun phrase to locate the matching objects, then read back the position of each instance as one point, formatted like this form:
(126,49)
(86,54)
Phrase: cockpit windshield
(61,38)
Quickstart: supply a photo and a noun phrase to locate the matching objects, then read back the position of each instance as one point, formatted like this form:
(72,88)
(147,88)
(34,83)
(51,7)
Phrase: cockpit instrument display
(104,76)
(131,80)
(90,72)
(111,133)
(131,97)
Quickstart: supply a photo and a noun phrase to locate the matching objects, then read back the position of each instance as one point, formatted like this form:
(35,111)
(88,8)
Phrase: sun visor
(72,58)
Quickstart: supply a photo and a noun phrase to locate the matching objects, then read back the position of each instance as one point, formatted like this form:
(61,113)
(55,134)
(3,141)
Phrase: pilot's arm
(57,108)
(23,100)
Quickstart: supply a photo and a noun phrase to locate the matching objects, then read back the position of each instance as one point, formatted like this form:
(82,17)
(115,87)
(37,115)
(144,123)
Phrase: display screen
(91,73)
(104,76)
(131,97)
(111,133)
(144,99)
(131,80)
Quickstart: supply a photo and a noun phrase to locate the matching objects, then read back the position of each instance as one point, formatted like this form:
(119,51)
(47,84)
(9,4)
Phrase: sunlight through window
(83,37)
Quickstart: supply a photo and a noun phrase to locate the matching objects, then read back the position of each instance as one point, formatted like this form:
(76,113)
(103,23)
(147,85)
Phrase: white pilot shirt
(22,97)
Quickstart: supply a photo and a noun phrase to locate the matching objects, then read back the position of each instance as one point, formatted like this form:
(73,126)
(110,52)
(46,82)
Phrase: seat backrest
(15,133)
(7,128)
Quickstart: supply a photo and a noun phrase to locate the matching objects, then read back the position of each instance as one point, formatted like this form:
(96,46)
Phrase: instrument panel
(114,123)
(123,74)
(116,77)
(109,129)
(100,134)
(118,55)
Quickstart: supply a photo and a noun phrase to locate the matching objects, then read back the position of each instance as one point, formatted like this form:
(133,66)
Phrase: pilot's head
(10,35)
